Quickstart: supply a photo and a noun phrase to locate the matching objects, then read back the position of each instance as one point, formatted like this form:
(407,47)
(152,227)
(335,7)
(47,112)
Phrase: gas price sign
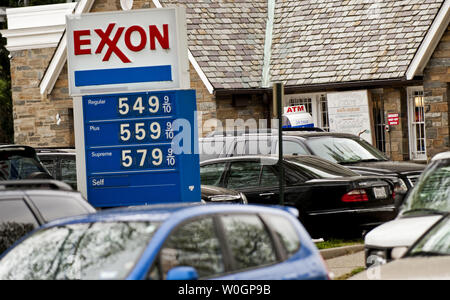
(140,148)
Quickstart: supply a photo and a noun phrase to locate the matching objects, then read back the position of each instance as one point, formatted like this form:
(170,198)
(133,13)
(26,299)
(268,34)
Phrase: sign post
(278,92)
(135,120)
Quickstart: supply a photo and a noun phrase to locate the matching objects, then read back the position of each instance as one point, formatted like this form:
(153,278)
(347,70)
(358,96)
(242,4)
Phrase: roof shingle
(327,41)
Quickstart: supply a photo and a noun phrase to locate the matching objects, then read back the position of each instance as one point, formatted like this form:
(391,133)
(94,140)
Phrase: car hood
(400,232)
(386,167)
(410,268)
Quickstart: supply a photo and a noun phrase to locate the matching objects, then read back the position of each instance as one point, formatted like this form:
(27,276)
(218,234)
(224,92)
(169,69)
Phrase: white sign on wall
(127,51)
(349,112)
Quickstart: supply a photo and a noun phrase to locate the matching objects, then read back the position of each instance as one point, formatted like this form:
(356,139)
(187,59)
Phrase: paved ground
(345,264)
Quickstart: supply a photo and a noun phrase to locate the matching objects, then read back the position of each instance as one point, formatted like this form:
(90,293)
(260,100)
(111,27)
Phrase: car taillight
(355,196)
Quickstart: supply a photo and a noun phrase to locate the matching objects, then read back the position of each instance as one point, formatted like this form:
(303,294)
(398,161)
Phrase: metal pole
(278,101)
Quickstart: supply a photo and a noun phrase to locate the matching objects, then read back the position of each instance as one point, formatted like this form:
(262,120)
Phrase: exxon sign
(128,51)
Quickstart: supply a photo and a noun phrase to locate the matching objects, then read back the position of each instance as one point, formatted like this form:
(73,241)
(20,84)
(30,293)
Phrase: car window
(344,150)
(244,174)
(211,174)
(103,250)
(69,172)
(432,191)
(285,231)
(194,244)
(211,148)
(50,165)
(259,145)
(249,242)
(268,177)
(54,207)
(435,242)
(16,220)
(316,167)
(291,147)
(18,167)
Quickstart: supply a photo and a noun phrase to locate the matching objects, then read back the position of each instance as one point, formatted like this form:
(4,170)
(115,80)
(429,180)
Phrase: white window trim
(411,133)
(315,106)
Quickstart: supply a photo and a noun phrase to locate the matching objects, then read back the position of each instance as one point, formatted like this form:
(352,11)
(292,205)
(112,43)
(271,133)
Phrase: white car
(424,206)
(427,259)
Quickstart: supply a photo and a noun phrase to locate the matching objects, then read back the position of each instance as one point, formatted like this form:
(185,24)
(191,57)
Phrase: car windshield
(320,168)
(103,250)
(344,150)
(18,167)
(432,191)
(435,242)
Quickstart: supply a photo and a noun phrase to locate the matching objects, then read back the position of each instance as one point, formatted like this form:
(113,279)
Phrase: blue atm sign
(133,152)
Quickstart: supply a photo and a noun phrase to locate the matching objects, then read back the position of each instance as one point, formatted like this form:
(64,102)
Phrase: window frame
(228,173)
(156,262)
(317,112)
(412,124)
(30,206)
(227,256)
(279,254)
(223,176)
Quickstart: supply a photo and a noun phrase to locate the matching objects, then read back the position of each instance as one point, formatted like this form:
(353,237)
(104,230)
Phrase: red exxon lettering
(107,38)
(111,43)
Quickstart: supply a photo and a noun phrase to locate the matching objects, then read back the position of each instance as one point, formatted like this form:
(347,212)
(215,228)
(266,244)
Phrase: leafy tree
(6,116)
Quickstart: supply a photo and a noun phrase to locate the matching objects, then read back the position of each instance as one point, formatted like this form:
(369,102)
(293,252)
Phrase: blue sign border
(174,178)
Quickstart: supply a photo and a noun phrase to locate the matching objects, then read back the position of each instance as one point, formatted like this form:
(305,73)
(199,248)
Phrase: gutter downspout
(265,82)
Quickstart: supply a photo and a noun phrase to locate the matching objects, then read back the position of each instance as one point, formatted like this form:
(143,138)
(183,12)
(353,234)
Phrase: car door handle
(266,194)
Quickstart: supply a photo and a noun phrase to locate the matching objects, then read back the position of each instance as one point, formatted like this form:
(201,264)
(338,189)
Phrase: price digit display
(130,157)
(147,158)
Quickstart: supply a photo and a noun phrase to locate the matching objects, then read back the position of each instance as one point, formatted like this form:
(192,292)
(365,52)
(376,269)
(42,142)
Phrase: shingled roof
(227,39)
(332,41)
(313,42)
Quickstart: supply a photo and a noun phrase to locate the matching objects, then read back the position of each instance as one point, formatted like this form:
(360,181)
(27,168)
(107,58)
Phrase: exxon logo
(136,38)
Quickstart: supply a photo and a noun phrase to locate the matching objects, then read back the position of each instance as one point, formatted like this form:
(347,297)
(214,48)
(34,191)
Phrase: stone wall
(437,98)
(35,121)
(244,107)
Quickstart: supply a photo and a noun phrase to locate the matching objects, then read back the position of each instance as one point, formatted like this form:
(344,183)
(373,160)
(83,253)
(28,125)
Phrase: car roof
(13,147)
(161,212)
(302,134)
(34,184)
(271,159)
(55,151)
(440,156)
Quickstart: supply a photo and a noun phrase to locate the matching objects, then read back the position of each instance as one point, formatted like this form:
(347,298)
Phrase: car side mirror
(182,273)
(398,252)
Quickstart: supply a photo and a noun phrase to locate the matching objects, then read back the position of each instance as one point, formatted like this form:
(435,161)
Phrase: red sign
(393,119)
(294,109)
(112,40)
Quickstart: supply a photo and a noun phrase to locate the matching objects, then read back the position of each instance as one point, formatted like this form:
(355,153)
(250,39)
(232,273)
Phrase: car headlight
(376,258)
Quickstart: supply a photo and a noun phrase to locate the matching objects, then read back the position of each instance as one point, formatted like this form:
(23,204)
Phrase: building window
(380,122)
(416,118)
(315,104)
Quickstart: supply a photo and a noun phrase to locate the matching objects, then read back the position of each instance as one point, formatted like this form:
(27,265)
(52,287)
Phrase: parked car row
(347,150)
(322,198)
(332,200)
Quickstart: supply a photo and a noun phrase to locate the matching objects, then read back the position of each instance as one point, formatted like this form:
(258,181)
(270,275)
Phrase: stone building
(392,55)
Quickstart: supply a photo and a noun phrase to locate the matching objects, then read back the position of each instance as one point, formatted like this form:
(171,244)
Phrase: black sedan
(332,200)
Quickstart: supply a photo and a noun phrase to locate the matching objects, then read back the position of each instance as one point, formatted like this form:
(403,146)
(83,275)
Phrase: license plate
(380,192)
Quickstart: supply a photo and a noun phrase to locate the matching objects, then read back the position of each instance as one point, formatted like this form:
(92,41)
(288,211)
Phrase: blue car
(182,241)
